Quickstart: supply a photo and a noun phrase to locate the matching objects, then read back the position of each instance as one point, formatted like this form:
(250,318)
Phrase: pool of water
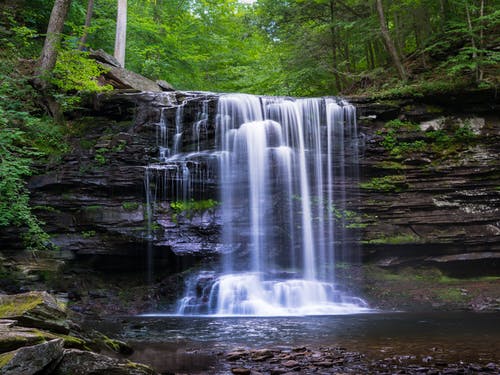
(189,343)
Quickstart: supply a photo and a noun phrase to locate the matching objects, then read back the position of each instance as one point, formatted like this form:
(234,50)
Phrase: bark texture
(56,23)
(121,32)
(88,19)
(388,42)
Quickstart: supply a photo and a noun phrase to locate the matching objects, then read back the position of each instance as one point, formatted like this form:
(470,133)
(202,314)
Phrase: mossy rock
(12,338)
(84,362)
(31,359)
(118,346)
(36,310)
(5,358)
(103,342)
(72,342)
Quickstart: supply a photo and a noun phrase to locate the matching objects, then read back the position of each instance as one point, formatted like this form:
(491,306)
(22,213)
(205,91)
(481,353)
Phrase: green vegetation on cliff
(29,136)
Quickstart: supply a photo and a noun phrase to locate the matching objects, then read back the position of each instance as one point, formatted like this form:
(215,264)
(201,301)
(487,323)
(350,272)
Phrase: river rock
(241,371)
(12,337)
(290,363)
(78,362)
(34,309)
(31,359)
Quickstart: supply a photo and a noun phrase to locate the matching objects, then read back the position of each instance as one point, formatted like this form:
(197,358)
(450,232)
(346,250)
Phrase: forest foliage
(289,47)
(277,47)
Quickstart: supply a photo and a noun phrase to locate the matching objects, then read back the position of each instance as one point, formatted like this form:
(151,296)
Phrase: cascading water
(283,168)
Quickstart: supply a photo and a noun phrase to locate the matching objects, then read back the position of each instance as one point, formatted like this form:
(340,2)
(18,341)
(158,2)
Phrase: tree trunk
(473,43)
(481,41)
(338,79)
(389,44)
(48,57)
(370,55)
(88,19)
(121,32)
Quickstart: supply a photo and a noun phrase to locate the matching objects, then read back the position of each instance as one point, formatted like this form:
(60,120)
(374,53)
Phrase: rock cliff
(429,187)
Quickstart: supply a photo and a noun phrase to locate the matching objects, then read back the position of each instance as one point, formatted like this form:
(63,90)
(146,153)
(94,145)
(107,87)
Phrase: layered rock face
(433,201)
(37,337)
(430,191)
(94,201)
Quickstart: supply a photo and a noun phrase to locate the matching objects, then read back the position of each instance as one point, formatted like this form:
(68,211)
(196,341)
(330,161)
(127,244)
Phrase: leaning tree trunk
(88,19)
(48,58)
(389,44)
(121,32)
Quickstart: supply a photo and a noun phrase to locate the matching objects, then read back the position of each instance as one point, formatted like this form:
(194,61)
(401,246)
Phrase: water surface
(191,343)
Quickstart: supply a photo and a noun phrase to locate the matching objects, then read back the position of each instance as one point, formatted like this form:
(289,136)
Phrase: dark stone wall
(93,201)
(447,210)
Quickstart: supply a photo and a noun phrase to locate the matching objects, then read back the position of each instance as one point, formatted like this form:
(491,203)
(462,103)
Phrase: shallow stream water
(190,344)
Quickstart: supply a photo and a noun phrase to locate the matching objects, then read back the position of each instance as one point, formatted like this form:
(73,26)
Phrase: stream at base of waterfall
(283,168)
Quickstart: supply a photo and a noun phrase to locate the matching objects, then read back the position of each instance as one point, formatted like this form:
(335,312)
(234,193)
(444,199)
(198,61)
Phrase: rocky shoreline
(338,360)
(38,337)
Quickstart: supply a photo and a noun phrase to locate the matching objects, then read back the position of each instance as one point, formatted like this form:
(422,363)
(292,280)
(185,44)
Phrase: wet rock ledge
(37,337)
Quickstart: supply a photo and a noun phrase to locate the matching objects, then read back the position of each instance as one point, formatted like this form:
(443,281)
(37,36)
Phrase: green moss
(100,158)
(357,225)
(130,206)
(422,88)
(72,342)
(6,358)
(89,234)
(395,240)
(8,342)
(191,207)
(405,274)
(392,183)
(12,307)
(402,125)
(120,147)
(451,295)
(139,366)
(112,344)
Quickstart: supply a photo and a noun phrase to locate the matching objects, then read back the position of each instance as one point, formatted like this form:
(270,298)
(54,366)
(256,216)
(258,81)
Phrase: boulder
(31,359)
(103,57)
(12,337)
(165,86)
(78,362)
(36,310)
(121,78)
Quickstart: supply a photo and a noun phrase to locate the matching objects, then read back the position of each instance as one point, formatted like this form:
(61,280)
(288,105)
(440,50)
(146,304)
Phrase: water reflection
(178,342)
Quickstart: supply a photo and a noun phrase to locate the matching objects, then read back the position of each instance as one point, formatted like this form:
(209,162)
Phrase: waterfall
(283,164)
